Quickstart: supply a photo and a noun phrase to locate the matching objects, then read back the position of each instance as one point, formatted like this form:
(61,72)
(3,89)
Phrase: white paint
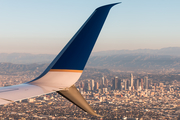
(18,92)
(51,82)
(55,81)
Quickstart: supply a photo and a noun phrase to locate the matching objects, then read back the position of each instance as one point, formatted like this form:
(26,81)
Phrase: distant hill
(26,58)
(136,62)
(172,51)
(124,60)
(10,68)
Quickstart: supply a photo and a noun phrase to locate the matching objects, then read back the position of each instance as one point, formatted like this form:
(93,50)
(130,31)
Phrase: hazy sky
(45,26)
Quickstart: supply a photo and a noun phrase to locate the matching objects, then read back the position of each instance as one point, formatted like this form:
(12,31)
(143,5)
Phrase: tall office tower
(137,83)
(146,82)
(142,84)
(86,86)
(89,85)
(101,84)
(125,85)
(106,82)
(119,85)
(115,83)
(82,85)
(132,81)
(96,86)
(128,84)
(103,80)
(92,84)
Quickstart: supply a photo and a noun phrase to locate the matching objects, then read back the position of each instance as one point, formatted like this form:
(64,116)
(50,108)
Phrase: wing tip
(108,5)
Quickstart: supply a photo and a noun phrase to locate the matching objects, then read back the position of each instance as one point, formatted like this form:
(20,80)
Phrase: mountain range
(27,58)
(124,60)
(172,51)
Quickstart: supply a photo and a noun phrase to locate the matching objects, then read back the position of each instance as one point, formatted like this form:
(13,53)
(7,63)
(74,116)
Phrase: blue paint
(78,50)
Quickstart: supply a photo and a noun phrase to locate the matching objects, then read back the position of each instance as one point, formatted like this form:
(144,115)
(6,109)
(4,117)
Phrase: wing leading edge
(66,68)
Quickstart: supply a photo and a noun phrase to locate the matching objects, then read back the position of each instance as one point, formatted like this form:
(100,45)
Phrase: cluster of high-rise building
(91,85)
(105,85)
(132,84)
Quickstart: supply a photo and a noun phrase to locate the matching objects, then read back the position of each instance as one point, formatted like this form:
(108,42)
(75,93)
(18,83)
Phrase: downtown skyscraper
(132,81)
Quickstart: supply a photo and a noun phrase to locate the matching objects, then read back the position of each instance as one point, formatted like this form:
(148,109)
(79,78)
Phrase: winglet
(77,51)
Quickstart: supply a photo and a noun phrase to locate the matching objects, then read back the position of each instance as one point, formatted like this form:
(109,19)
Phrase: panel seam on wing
(7,99)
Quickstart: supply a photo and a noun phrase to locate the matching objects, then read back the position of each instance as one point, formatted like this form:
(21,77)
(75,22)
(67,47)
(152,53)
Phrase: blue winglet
(77,51)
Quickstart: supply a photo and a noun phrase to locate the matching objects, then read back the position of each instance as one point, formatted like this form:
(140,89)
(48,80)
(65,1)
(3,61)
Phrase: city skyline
(46,26)
(159,101)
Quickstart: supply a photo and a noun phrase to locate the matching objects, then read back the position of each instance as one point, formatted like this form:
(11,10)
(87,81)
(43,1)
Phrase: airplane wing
(61,75)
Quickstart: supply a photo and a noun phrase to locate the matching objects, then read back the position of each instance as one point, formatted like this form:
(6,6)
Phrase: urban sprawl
(139,97)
